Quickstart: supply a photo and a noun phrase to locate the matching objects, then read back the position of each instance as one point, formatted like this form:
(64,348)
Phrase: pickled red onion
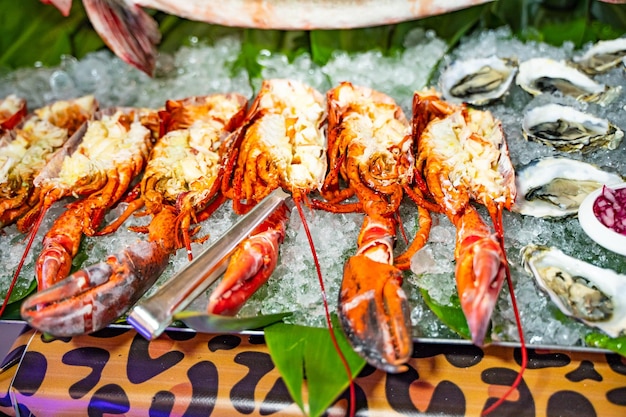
(610,208)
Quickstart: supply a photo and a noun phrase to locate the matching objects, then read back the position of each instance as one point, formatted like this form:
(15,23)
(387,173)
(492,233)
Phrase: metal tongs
(151,316)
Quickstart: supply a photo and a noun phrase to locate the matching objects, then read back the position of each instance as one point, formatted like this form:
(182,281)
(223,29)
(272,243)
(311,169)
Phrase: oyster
(602,56)
(581,290)
(477,81)
(545,75)
(556,186)
(568,129)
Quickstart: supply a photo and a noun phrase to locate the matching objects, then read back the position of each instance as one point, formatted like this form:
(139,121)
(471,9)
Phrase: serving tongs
(151,316)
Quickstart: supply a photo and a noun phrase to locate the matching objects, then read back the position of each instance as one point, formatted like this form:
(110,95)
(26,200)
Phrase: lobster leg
(373,308)
(250,266)
(60,245)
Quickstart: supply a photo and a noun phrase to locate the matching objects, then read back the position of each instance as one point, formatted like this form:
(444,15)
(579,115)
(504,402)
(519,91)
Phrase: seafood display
(177,180)
(133,34)
(350,154)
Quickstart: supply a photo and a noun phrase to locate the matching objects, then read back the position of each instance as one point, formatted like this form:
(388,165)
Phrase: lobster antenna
(500,233)
(318,268)
(16,274)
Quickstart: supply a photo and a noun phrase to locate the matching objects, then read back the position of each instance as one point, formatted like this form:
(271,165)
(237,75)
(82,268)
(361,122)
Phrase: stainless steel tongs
(151,316)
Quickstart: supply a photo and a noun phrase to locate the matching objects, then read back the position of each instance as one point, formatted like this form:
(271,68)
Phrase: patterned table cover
(118,372)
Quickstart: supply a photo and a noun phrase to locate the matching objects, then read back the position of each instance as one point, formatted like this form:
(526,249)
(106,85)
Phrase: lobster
(463,156)
(370,149)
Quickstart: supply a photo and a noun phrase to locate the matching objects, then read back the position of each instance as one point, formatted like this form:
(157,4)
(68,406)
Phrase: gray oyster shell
(545,75)
(588,293)
(556,186)
(568,129)
(477,81)
(602,56)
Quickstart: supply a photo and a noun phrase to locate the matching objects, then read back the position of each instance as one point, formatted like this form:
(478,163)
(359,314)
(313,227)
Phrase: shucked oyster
(477,81)
(556,186)
(601,57)
(568,129)
(593,295)
(545,75)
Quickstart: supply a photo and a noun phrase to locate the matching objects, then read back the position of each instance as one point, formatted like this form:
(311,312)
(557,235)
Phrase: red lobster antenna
(500,233)
(318,268)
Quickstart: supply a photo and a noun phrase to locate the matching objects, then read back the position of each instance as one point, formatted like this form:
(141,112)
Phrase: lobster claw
(249,268)
(92,298)
(374,313)
(251,264)
(480,274)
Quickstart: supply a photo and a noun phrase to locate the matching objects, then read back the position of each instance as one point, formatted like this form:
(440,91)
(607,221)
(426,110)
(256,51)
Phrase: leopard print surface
(118,372)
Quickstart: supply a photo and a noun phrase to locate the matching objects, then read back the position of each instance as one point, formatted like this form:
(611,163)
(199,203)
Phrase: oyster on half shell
(556,186)
(602,56)
(568,129)
(477,81)
(545,75)
(593,295)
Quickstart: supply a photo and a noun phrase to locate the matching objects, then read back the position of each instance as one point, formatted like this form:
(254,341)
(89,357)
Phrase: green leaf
(602,341)
(298,351)
(213,323)
(33,32)
(451,315)
(20,292)
(12,311)
(257,41)
(452,26)
(177,32)
(325,42)
(610,17)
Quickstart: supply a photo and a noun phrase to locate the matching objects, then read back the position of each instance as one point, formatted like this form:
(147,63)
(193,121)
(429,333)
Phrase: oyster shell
(568,129)
(602,56)
(477,81)
(545,75)
(556,186)
(580,290)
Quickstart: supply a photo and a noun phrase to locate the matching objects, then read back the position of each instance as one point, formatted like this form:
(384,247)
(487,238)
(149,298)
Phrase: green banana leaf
(12,310)
(305,353)
(451,315)
(32,33)
(602,341)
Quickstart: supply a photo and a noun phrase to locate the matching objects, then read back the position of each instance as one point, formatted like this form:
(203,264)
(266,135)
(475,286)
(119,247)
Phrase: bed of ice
(202,69)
